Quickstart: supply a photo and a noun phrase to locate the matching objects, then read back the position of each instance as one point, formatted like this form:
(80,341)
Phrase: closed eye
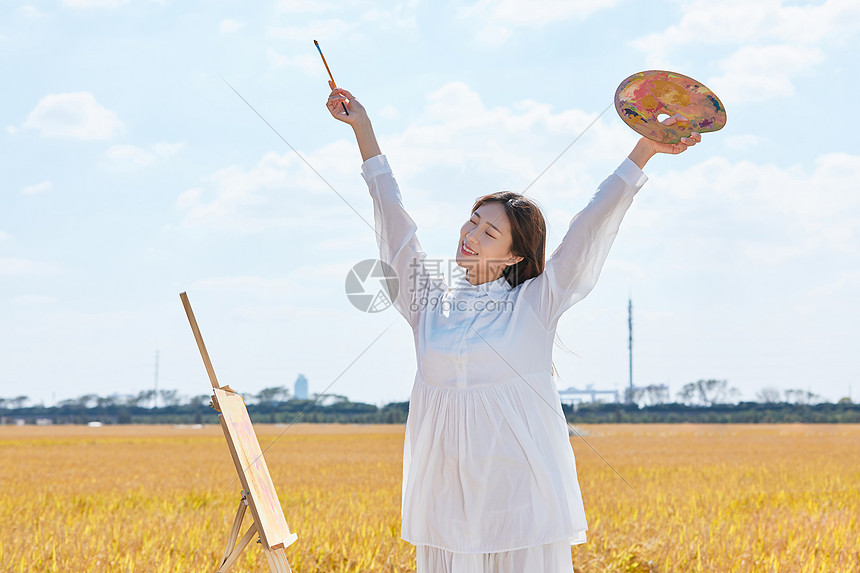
(488,230)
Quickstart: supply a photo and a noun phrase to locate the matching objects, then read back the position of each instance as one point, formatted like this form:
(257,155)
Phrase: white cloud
(230,26)
(303,282)
(337,243)
(364,16)
(744,141)
(832,295)
(74,115)
(537,13)
(757,73)
(739,22)
(768,189)
(330,28)
(278,192)
(11,129)
(165,149)
(847,282)
(30,12)
(34,299)
(131,157)
(510,144)
(308,63)
(13,266)
(284,313)
(629,270)
(772,41)
(94,3)
(402,16)
(768,213)
(496,19)
(244,283)
(37,188)
(389,112)
(189,197)
(4,236)
(302,6)
(276,59)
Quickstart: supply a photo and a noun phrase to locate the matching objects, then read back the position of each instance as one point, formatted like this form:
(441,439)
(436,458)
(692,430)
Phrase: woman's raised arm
(395,229)
(573,269)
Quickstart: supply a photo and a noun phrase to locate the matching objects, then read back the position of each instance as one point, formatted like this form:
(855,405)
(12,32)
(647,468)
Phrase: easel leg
(234,532)
(234,555)
(277,560)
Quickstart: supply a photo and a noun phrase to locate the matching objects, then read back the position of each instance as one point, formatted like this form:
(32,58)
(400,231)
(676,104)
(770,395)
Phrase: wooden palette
(644,96)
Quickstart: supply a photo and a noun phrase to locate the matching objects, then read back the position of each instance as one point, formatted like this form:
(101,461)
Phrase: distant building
(573,396)
(300,390)
(643,395)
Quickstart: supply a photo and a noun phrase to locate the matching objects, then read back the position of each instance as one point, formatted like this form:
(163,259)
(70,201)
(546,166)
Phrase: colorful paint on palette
(644,96)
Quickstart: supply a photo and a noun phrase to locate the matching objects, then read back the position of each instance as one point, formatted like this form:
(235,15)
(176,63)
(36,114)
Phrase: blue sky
(131,173)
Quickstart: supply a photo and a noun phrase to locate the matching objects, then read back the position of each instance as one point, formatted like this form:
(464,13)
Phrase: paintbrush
(333,85)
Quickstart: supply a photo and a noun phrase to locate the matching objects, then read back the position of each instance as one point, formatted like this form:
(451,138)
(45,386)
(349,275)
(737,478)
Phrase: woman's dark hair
(528,231)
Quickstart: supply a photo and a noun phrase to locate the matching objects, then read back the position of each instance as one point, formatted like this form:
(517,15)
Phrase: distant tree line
(843,411)
(271,405)
(713,401)
(703,401)
(713,392)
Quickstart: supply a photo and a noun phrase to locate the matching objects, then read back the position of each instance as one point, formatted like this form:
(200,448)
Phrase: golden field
(161,499)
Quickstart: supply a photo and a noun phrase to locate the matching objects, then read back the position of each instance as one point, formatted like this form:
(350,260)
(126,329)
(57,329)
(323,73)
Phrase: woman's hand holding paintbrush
(331,83)
(343,106)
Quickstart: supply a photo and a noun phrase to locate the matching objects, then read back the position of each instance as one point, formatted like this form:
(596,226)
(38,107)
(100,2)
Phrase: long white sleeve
(397,240)
(574,267)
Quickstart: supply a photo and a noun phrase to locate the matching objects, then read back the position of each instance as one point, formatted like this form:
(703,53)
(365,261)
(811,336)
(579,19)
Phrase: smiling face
(485,243)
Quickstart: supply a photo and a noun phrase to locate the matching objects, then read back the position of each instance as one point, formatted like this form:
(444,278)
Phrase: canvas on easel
(258,491)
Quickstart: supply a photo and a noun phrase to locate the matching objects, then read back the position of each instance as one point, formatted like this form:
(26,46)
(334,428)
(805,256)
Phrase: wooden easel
(257,490)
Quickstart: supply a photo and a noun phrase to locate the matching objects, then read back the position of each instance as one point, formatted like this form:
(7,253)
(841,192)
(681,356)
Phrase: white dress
(487,463)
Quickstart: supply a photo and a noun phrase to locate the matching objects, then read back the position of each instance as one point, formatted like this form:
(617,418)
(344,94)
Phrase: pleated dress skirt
(550,558)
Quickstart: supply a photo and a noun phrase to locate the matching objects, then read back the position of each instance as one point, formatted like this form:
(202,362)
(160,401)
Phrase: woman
(489,476)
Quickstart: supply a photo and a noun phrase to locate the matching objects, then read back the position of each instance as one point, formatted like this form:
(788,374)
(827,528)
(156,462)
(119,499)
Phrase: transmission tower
(155,395)
(630,345)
